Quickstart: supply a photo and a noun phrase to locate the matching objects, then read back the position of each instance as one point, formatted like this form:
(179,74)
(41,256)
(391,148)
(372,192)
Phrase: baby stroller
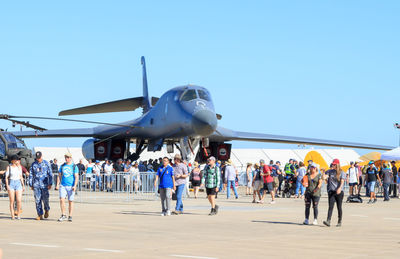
(289,188)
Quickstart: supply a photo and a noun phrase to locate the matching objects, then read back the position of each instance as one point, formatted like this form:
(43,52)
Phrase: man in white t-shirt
(97,176)
(108,169)
(352,175)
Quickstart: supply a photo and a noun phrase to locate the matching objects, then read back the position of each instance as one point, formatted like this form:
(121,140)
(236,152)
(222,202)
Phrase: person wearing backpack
(312,181)
(167,183)
(211,179)
(353,179)
(195,178)
(69,174)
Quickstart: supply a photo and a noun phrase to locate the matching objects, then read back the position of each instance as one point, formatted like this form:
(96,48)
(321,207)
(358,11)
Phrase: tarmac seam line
(35,245)
(103,250)
(192,256)
(391,218)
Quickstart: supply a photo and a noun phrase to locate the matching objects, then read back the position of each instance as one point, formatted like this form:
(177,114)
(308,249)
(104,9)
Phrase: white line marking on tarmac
(361,216)
(36,245)
(191,256)
(103,250)
(392,218)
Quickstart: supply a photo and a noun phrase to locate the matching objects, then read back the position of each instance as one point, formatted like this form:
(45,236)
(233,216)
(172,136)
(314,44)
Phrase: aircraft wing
(63,133)
(223,134)
(129,104)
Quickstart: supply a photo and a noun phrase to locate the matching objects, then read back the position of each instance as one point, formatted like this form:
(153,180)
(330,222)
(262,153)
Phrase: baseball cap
(371,162)
(38,155)
(313,165)
(68,154)
(335,161)
(262,161)
(211,158)
(97,161)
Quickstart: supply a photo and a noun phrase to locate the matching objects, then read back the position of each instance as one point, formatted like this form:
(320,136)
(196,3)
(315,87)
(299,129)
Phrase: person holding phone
(15,185)
(312,182)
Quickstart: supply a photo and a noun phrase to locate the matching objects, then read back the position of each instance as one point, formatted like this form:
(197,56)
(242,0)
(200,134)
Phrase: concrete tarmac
(240,230)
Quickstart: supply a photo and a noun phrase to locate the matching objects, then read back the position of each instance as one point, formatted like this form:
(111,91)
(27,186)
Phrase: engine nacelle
(221,151)
(96,149)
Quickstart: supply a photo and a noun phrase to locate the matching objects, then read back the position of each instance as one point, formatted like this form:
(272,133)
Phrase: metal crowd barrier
(125,187)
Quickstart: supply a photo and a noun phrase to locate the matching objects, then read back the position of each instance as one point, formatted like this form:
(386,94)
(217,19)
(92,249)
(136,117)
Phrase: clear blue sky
(322,69)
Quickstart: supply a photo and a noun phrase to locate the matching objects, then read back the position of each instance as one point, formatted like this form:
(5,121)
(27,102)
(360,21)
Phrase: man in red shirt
(268,180)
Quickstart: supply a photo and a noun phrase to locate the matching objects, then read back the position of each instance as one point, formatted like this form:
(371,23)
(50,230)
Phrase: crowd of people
(173,177)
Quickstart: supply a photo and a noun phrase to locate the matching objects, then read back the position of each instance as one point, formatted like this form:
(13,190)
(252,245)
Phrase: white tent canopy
(393,154)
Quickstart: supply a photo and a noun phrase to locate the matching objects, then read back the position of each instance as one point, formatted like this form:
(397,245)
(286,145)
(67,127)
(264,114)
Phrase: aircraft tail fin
(146,98)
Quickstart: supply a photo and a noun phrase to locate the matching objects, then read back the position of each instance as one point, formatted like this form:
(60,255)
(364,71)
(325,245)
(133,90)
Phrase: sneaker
(212,212)
(40,217)
(370,201)
(237,197)
(305,222)
(168,213)
(175,213)
(254,201)
(162,214)
(339,224)
(327,223)
(18,217)
(46,214)
(375,200)
(272,202)
(216,209)
(70,219)
(62,218)
(315,222)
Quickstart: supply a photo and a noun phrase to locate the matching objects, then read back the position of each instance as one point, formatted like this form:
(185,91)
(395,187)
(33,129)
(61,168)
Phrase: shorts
(360,180)
(268,187)
(258,185)
(249,183)
(67,191)
(211,191)
(196,183)
(371,186)
(353,184)
(109,178)
(15,185)
(276,182)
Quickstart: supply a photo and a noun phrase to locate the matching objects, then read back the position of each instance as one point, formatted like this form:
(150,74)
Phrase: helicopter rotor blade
(25,123)
(10,117)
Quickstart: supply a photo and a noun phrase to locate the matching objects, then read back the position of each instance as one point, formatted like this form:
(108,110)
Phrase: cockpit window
(13,142)
(204,95)
(189,95)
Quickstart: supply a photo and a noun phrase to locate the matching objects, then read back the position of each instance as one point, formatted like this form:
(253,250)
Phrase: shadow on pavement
(149,213)
(277,222)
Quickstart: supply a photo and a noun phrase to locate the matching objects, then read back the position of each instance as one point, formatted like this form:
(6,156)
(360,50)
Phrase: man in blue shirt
(69,173)
(40,181)
(167,182)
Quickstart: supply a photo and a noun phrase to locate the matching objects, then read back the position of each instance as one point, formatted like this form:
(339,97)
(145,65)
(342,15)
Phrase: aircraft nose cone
(204,122)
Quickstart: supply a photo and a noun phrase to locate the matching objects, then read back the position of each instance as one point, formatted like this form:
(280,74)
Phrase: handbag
(161,177)
(304,181)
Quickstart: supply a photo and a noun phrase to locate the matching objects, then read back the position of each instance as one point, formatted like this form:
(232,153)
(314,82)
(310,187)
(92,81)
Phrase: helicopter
(12,145)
